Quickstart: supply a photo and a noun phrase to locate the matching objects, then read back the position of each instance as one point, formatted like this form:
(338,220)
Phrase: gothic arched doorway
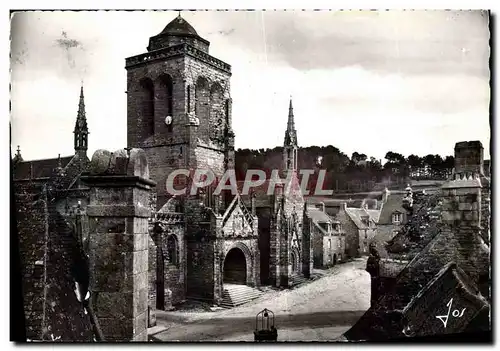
(235,267)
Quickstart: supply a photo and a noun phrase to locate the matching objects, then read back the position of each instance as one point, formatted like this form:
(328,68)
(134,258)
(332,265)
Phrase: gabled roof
(323,231)
(374,214)
(39,168)
(318,216)
(394,203)
(356,215)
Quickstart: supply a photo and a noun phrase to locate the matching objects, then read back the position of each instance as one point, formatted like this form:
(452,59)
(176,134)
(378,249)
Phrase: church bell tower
(179,105)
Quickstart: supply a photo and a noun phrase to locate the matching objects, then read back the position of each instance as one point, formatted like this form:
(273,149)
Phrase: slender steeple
(291,133)
(81,130)
(290,143)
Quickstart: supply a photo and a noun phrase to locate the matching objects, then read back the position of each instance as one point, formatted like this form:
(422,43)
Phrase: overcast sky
(410,82)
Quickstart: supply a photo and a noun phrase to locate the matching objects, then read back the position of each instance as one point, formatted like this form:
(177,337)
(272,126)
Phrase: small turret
(81,130)
(18,157)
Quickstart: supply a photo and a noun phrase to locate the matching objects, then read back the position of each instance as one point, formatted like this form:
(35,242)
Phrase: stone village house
(360,228)
(329,238)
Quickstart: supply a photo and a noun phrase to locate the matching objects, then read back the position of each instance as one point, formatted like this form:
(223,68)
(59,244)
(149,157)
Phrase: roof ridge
(46,159)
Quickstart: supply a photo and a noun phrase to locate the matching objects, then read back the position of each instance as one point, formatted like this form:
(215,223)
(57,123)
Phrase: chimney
(322,206)
(462,210)
(385,195)
(469,157)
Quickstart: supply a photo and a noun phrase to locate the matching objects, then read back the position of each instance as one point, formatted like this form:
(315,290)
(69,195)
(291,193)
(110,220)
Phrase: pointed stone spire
(291,123)
(291,133)
(290,143)
(81,130)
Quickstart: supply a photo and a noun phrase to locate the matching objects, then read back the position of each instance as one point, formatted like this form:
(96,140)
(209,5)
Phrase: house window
(365,220)
(172,250)
(329,243)
(397,217)
(366,234)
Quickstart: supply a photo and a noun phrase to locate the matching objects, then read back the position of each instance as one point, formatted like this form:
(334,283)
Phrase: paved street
(319,311)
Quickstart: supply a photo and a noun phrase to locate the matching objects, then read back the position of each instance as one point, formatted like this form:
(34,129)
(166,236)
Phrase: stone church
(179,112)
(215,248)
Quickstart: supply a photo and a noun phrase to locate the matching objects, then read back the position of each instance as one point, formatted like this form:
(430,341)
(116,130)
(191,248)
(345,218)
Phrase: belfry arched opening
(235,267)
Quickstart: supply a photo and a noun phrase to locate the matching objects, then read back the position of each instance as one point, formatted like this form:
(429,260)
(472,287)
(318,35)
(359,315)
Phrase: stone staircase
(297,280)
(236,294)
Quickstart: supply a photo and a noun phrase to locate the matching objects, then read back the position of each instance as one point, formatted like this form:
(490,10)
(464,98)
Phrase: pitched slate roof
(39,168)
(333,202)
(422,227)
(394,203)
(356,215)
(383,323)
(319,216)
(374,214)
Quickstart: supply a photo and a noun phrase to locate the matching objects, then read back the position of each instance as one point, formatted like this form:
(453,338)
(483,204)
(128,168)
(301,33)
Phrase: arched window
(165,98)
(216,109)
(227,111)
(172,250)
(189,98)
(202,108)
(148,106)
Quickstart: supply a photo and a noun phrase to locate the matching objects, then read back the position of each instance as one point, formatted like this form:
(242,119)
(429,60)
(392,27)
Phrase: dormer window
(397,217)
(366,220)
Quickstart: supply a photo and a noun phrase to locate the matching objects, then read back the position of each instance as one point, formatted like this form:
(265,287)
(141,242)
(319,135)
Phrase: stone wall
(336,249)
(461,216)
(264,224)
(351,234)
(118,213)
(175,273)
(485,210)
(317,243)
(366,236)
(32,225)
(50,262)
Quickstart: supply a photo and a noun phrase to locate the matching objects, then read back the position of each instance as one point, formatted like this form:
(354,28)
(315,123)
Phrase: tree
(357,157)
(394,157)
(414,161)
